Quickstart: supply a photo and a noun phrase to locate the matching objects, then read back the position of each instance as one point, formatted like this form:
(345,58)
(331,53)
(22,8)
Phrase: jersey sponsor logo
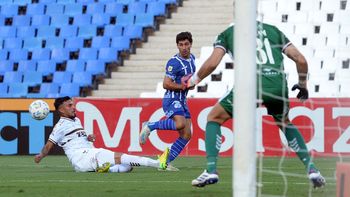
(269,72)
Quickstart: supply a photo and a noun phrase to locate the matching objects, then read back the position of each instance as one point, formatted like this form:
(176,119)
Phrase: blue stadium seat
(7,32)
(41,54)
(1,43)
(95,67)
(40,20)
(82,78)
(137,7)
(18,54)
(100,42)
(53,95)
(85,1)
(21,20)
(114,8)
(35,9)
(156,8)
(32,78)
(3,54)
(93,8)
(32,43)
(9,10)
(65,1)
(75,66)
(5,2)
(100,19)
(88,54)
(3,89)
(54,42)
(68,31)
(13,77)
(62,77)
(17,90)
(13,43)
(70,89)
(49,88)
(73,9)
(46,67)
(60,55)
(54,9)
(74,43)
(106,1)
(108,54)
(2,20)
(145,20)
(174,2)
(58,20)
(87,31)
(113,30)
(133,31)
(82,19)
(35,95)
(125,2)
(25,32)
(121,43)
(125,19)
(5,66)
(26,65)
(46,32)
(22,2)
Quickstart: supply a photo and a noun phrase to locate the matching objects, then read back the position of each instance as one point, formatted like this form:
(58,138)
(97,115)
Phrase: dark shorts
(175,107)
(276,102)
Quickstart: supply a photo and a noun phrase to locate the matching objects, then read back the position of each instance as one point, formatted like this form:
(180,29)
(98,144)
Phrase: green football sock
(297,143)
(212,144)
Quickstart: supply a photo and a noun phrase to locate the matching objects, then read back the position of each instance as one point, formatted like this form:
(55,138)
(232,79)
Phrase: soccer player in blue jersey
(180,67)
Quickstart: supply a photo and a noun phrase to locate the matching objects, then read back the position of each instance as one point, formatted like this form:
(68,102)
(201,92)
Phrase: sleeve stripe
(51,140)
(285,46)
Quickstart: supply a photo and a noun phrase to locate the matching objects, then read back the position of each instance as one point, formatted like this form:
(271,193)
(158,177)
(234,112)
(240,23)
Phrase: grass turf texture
(20,176)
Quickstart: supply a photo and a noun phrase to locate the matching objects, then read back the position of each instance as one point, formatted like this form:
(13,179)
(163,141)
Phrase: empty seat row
(47,90)
(98,19)
(113,8)
(48,67)
(73,43)
(61,54)
(129,31)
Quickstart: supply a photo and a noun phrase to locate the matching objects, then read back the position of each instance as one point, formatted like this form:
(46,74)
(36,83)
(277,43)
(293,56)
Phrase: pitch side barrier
(325,123)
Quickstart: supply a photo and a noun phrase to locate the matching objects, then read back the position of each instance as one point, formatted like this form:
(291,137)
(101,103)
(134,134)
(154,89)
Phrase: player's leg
(220,113)
(170,109)
(132,160)
(279,109)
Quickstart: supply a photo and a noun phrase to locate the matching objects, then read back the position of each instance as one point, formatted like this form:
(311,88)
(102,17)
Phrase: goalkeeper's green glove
(303,92)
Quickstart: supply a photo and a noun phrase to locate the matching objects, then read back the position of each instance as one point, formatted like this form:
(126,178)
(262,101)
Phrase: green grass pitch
(20,176)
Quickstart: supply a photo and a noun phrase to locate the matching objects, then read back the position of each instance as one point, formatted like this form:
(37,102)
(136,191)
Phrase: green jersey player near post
(272,90)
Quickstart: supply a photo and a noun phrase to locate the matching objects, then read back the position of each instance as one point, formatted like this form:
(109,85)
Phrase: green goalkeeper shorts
(275,100)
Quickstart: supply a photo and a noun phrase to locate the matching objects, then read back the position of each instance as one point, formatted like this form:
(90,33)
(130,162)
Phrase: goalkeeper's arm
(208,67)
(302,67)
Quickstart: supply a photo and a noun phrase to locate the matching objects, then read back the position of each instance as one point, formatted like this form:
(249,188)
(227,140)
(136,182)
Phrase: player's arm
(302,68)
(169,84)
(208,66)
(44,152)
(293,53)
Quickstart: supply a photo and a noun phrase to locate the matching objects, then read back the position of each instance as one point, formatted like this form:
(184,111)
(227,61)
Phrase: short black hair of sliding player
(183,36)
(59,101)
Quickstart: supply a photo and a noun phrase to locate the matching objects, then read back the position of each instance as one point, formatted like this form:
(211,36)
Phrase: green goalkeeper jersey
(270,45)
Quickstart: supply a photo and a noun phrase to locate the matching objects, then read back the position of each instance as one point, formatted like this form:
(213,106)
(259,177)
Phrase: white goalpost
(244,156)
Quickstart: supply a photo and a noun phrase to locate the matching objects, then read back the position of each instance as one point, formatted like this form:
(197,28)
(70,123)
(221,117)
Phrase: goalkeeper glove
(303,92)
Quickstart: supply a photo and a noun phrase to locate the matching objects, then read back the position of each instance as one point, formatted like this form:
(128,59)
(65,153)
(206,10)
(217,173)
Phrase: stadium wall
(325,123)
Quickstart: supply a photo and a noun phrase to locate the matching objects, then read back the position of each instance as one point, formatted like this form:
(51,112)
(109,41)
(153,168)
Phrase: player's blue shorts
(174,107)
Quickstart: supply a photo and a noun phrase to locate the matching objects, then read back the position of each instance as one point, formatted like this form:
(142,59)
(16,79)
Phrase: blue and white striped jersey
(176,68)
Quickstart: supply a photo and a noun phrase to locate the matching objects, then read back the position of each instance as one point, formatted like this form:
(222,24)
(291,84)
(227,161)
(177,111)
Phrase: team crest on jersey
(170,68)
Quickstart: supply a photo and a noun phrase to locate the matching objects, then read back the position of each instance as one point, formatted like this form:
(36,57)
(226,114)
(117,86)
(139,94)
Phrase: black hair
(59,101)
(184,36)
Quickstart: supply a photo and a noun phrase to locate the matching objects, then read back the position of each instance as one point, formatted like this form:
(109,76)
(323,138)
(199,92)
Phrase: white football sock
(138,161)
(120,168)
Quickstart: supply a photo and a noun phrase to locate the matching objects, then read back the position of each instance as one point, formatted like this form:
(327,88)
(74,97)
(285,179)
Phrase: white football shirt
(70,135)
